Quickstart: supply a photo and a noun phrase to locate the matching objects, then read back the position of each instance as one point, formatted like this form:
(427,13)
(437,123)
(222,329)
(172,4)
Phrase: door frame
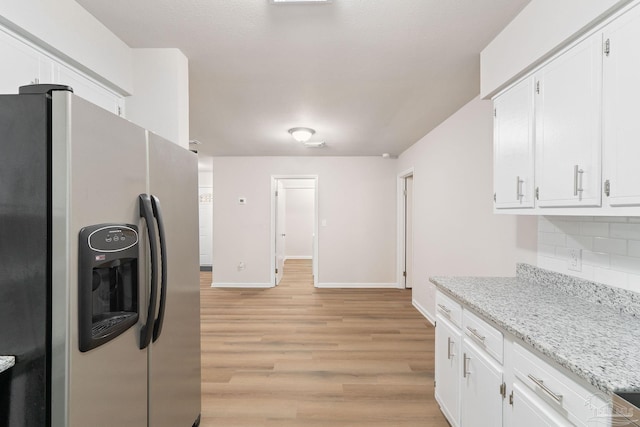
(272,234)
(401,226)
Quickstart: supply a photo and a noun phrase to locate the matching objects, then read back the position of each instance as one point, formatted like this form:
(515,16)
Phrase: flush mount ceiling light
(301,134)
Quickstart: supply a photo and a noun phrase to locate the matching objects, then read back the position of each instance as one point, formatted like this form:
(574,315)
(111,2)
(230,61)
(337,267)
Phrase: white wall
(73,34)
(356,199)
(299,217)
(610,248)
(541,29)
(161,99)
(156,79)
(205,191)
(455,230)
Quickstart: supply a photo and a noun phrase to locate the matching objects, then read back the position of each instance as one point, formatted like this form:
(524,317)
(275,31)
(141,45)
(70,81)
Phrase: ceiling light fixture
(301,134)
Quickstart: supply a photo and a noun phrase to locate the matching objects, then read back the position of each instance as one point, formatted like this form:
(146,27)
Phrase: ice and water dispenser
(107,283)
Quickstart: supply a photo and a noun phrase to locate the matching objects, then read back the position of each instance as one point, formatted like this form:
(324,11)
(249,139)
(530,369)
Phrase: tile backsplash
(610,248)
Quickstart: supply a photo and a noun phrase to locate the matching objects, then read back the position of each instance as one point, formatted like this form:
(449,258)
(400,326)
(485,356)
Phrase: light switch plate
(575,260)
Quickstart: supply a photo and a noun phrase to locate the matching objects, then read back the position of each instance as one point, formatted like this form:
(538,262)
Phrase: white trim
(241,285)
(359,285)
(400,223)
(272,234)
(298,257)
(423,311)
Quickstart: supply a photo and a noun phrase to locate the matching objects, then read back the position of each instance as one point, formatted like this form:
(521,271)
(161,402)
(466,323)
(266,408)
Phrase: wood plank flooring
(299,356)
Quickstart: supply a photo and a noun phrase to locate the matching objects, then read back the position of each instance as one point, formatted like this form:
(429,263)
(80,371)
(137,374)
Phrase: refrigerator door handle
(146,212)
(157,213)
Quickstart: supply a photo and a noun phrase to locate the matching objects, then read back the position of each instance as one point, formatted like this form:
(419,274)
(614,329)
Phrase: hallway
(299,356)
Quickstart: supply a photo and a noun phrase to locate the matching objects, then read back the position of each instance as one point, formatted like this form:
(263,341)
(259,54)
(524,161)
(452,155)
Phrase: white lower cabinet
(447,376)
(481,398)
(528,410)
(487,378)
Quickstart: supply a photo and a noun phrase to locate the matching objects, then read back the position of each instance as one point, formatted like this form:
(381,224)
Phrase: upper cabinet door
(513,149)
(23,65)
(621,82)
(568,127)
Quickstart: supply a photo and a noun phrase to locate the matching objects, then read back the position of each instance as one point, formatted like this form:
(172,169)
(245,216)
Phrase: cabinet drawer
(483,334)
(575,402)
(449,309)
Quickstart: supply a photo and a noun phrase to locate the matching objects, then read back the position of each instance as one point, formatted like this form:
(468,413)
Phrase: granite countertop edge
(600,380)
(6,362)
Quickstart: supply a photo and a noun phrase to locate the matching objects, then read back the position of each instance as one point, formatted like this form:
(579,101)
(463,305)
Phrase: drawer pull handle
(445,310)
(540,383)
(465,371)
(476,334)
(449,352)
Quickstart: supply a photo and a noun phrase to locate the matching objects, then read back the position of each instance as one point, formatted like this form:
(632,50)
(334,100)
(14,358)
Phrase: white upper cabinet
(88,89)
(568,127)
(621,82)
(514,147)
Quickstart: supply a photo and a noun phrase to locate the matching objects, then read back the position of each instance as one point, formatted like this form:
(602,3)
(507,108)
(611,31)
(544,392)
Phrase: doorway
(405,229)
(294,225)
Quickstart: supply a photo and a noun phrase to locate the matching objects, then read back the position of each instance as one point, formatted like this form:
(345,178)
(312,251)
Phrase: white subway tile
(610,219)
(634,248)
(562,253)
(587,272)
(568,227)
(596,229)
(633,282)
(626,231)
(552,264)
(554,239)
(626,264)
(634,219)
(545,225)
(580,242)
(610,277)
(612,246)
(598,259)
(546,250)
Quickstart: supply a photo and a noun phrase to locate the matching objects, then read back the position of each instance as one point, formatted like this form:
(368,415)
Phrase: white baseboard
(358,285)
(298,257)
(423,311)
(241,285)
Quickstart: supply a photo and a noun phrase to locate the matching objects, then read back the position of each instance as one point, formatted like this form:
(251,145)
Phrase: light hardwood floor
(299,356)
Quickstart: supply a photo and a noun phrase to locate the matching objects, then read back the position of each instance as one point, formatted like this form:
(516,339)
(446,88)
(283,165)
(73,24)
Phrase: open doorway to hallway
(294,223)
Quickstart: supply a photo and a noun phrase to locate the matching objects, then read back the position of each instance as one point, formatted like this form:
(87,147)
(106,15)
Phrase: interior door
(408,233)
(98,173)
(174,354)
(281,205)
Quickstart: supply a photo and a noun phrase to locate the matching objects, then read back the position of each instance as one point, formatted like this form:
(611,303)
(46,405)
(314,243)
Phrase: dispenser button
(122,238)
(108,239)
(116,238)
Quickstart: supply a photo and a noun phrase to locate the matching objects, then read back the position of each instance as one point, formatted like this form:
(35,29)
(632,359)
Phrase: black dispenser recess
(107,283)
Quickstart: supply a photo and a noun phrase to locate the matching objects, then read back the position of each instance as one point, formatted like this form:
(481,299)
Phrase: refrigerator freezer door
(99,169)
(174,356)
(23,258)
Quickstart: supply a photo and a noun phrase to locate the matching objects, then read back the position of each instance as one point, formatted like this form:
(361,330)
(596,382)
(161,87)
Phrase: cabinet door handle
(476,334)
(444,310)
(449,352)
(540,383)
(465,359)
(519,194)
(577,181)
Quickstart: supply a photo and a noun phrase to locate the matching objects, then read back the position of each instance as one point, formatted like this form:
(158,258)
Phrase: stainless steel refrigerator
(99,285)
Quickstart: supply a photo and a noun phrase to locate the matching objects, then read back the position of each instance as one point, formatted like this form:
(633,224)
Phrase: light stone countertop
(6,362)
(590,329)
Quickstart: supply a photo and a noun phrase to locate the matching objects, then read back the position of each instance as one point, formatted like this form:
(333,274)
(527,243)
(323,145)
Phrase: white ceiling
(370,76)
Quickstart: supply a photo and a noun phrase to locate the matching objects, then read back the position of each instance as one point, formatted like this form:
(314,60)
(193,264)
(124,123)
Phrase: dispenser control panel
(112,238)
